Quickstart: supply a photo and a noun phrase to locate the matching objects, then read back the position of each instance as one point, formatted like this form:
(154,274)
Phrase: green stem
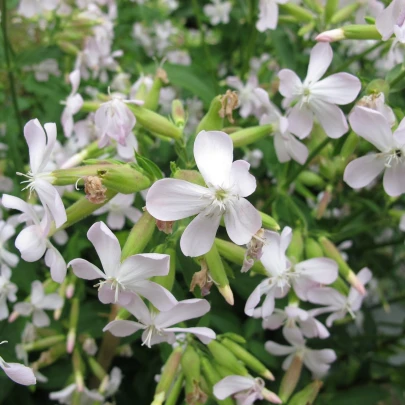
(16,160)
(314,153)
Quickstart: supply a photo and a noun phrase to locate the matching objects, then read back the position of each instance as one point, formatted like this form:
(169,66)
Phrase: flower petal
(300,121)
(319,61)
(159,296)
(85,270)
(394,179)
(213,154)
(362,171)
(31,245)
(331,118)
(36,140)
(231,385)
(172,199)
(199,236)
(40,319)
(206,335)
(277,349)
(243,181)
(386,19)
(19,373)
(56,263)
(122,328)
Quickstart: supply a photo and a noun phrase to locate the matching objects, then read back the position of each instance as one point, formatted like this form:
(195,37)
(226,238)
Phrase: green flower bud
(344,13)
(300,13)
(350,32)
(222,370)
(44,343)
(249,135)
(311,179)
(218,274)
(96,368)
(290,379)
(140,235)
(331,7)
(174,394)
(296,248)
(349,145)
(124,179)
(378,86)
(313,248)
(152,97)
(190,364)
(178,113)
(308,395)
(234,337)
(212,120)
(226,358)
(68,47)
(73,319)
(269,222)
(247,358)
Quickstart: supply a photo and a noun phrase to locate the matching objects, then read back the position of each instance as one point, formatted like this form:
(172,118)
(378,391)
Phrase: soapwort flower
(6,232)
(319,98)
(391,21)
(157,327)
(268,14)
(7,291)
(122,280)
(227,185)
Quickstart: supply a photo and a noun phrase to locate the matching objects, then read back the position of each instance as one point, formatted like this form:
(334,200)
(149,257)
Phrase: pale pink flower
(33,242)
(391,21)
(39,302)
(6,232)
(218,11)
(31,8)
(287,146)
(122,280)
(73,104)
(157,327)
(295,317)
(119,208)
(319,98)
(282,274)
(268,14)
(246,390)
(18,373)
(227,185)
(66,395)
(374,128)
(317,361)
(40,179)
(7,291)
(336,303)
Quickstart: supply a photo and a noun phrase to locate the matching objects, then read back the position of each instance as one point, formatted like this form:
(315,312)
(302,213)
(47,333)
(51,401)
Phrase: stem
(315,152)
(12,142)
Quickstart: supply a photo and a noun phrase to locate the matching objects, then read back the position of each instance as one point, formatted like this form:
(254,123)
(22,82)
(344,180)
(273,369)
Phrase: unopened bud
(290,378)
(68,47)
(175,391)
(271,396)
(189,175)
(324,203)
(313,249)
(349,145)
(350,32)
(250,135)
(308,395)
(124,179)
(13,316)
(300,13)
(44,343)
(77,369)
(90,346)
(212,121)
(73,319)
(331,36)
(178,113)
(229,101)
(165,226)
(311,179)
(344,13)
(94,189)
(226,358)
(269,222)
(296,248)
(70,290)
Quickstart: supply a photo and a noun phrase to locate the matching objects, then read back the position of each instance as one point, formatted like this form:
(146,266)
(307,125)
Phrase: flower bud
(290,379)
(249,135)
(50,356)
(152,97)
(124,179)
(140,235)
(345,271)
(226,358)
(212,120)
(350,32)
(168,375)
(174,394)
(68,48)
(222,370)
(217,271)
(308,395)
(44,343)
(269,222)
(331,7)
(300,13)
(313,249)
(248,359)
(311,179)
(178,113)
(375,88)
(73,319)
(345,13)
(236,254)
(96,368)
(296,248)
(349,145)
(78,370)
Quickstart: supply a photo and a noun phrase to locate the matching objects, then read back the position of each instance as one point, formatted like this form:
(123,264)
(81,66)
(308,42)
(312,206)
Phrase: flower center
(32,179)
(394,157)
(114,285)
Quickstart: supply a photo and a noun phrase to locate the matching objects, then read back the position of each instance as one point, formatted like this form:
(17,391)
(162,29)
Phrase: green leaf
(150,167)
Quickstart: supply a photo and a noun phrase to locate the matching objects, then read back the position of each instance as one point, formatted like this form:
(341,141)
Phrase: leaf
(150,167)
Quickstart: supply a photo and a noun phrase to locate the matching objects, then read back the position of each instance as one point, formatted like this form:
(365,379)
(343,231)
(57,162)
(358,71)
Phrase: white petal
(115,220)
(15,203)
(340,88)
(290,84)
(268,15)
(107,247)
(318,361)
(63,394)
(296,149)
(139,309)
(40,319)
(133,214)
(231,385)
(24,308)
(319,269)
(394,179)
(277,349)
(74,78)
(327,296)
(159,296)
(199,236)
(294,336)
(254,298)
(50,129)
(386,20)
(51,301)
(31,245)
(331,118)
(319,61)
(183,311)
(85,270)
(355,298)
(273,256)
(280,147)
(213,154)
(373,127)
(205,335)
(55,261)
(274,321)
(37,292)
(300,121)
(36,140)
(242,221)
(19,373)
(362,171)
(122,328)
(172,199)
(241,179)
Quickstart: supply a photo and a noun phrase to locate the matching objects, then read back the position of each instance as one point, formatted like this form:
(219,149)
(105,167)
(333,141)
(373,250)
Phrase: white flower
(123,280)
(179,57)
(115,120)
(374,127)
(18,372)
(30,8)
(287,146)
(7,291)
(32,242)
(317,361)
(227,184)
(157,326)
(6,257)
(44,69)
(38,303)
(86,397)
(282,274)
(377,102)
(293,317)
(119,208)
(336,303)
(218,11)
(249,103)
(318,97)
(73,104)
(245,390)
(39,178)
(391,21)
(268,14)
